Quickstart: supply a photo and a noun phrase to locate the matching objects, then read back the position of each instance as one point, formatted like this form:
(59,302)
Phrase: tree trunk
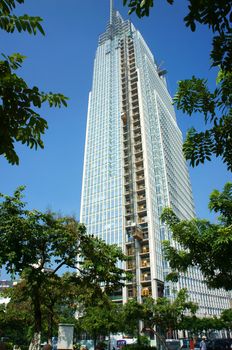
(50,323)
(36,340)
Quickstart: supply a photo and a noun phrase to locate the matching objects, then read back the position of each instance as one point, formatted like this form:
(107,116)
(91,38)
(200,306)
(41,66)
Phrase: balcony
(136,115)
(128,223)
(145,234)
(132,70)
(140,188)
(124,96)
(142,208)
(131,293)
(143,220)
(126,171)
(135,102)
(138,152)
(135,109)
(130,252)
(137,134)
(139,161)
(145,277)
(133,74)
(140,182)
(131,54)
(141,198)
(142,214)
(138,147)
(134,90)
(134,87)
(124,109)
(138,143)
(144,250)
(145,263)
(128,216)
(139,169)
(146,292)
(128,206)
(133,79)
(136,118)
(130,265)
(126,155)
(136,123)
(140,175)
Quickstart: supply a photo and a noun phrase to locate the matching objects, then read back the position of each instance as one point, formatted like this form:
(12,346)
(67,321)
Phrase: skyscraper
(134,166)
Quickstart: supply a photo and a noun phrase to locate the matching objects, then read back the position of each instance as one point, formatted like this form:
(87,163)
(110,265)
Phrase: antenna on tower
(111,11)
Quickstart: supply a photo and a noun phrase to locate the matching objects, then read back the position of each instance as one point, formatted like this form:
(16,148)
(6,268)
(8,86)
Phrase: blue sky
(62,61)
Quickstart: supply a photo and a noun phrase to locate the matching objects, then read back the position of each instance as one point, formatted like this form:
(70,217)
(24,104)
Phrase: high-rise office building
(134,166)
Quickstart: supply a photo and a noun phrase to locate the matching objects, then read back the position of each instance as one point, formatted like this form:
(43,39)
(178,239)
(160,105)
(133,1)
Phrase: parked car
(173,344)
(219,344)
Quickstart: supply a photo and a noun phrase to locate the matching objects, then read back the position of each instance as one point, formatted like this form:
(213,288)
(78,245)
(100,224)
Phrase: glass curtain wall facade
(134,166)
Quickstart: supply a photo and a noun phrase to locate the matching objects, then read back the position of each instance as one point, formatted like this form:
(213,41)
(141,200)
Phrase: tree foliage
(10,22)
(197,325)
(19,119)
(203,244)
(132,313)
(100,318)
(193,95)
(37,245)
(165,314)
(16,317)
(162,314)
(215,14)
(141,7)
(226,319)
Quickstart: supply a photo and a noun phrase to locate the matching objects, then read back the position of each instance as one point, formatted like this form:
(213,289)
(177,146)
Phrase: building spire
(111,11)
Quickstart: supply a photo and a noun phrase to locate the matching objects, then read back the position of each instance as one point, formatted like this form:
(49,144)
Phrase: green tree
(226,318)
(165,314)
(100,318)
(193,95)
(132,314)
(15,318)
(203,244)
(58,305)
(196,325)
(37,245)
(19,119)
